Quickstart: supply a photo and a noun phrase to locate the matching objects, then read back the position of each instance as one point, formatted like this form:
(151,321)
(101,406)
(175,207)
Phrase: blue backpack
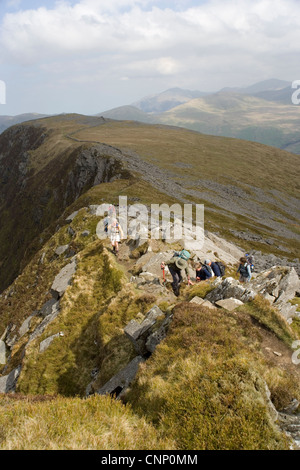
(184,254)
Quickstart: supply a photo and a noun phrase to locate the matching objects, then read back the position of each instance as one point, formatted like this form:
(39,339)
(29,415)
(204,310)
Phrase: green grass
(205,384)
(211,157)
(269,317)
(97,423)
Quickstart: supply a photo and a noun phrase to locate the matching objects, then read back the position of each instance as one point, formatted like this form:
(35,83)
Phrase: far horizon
(281,84)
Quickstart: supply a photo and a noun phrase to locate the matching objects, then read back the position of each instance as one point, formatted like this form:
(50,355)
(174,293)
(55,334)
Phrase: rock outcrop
(278,285)
(119,383)
(8,382)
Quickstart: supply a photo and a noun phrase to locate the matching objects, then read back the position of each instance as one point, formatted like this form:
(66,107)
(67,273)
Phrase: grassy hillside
(205,381)
(266,116)
(250,191)
(98,423)
(241,116)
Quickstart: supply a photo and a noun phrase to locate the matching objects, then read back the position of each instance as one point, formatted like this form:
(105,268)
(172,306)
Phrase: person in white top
(116,234)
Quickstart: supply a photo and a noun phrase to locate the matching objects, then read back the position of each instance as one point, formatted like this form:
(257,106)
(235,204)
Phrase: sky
(89,56)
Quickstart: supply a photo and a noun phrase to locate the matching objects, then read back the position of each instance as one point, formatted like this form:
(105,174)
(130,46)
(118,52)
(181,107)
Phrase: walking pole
(162,266)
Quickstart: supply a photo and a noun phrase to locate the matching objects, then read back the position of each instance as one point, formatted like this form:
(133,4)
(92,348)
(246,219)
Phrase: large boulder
(151,263)
(279,285)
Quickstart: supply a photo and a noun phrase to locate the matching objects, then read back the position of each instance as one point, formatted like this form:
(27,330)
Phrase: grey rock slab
(63,280)
(139,332)
(49,307)
(60,250)
(158,336)
(197,300)
(229,304)
(118,384)
(43,325)
(2,352)
(71,217)
(46,342)
(24,328)
(8,382)
(208,305)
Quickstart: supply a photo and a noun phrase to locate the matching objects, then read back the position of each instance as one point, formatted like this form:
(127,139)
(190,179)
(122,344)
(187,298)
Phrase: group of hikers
(207,270)
(179,261)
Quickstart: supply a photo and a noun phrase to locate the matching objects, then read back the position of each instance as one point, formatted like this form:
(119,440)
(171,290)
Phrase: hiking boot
(176,292)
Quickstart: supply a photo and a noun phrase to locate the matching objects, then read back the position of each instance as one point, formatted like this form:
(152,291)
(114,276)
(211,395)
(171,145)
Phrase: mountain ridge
(70,308)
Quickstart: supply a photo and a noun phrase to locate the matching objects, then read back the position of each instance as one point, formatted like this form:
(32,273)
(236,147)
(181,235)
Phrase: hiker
(215,267)
(204,272)
(244,269)
(176,264)
(116,233)
(250,261)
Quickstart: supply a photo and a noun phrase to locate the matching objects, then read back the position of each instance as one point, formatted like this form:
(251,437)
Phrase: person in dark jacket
(204,271)
(245,270)
(215,267)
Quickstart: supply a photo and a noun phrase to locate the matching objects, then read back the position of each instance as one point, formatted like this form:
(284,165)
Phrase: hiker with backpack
(204,271)
(245,270)
(250,261)
(217,267)
(177,264)
(209,269)
(116,233)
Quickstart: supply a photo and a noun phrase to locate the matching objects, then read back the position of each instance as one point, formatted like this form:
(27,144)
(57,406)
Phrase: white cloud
(95,27)
(210,45)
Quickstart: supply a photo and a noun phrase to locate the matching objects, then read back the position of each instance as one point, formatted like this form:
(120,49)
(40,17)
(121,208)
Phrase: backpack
(244,270)
(221,267)
(250,261)
(184,254)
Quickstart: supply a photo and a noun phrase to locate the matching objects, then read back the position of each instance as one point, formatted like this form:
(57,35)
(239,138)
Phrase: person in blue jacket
(204,271)
(207,270)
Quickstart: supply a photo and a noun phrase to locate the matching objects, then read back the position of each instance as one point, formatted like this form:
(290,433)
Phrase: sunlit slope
(250,191)
(218,158)
(240,116)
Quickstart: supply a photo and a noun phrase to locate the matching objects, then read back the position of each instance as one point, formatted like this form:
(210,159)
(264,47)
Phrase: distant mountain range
(262,112)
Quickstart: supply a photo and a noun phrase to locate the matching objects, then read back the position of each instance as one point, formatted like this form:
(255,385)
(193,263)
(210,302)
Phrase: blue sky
(88,56)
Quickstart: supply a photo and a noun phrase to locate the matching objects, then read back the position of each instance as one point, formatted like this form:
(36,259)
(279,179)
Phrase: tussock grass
(269,317)
(205,384)
(97,423)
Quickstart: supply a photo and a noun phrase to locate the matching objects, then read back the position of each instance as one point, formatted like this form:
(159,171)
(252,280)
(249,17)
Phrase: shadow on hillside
(93,359)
